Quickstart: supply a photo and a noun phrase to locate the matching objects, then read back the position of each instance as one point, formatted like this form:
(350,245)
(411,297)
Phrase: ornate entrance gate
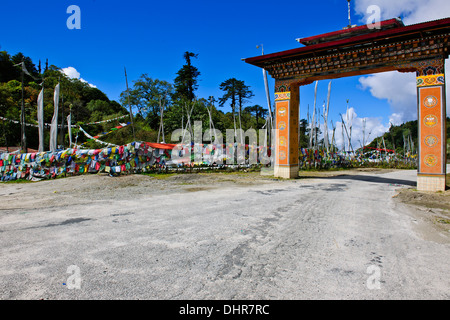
(420,48)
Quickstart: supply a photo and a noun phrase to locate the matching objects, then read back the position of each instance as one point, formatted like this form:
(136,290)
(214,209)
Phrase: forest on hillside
(403,139)
(152,100)
(160,107)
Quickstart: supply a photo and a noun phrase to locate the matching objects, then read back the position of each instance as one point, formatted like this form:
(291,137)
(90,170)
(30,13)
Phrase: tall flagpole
(349,15)
(40,116)
(23,141)
(266,85)
(62,118)
(54,124)
(129,105)
(69,126)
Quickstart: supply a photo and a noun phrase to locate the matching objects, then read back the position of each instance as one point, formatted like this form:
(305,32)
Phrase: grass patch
(19,181)
(325,169)
(443,221)
(158,175)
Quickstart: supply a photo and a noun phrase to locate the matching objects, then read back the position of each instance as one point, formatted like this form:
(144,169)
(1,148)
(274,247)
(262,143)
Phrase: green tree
(186,81)
(243,95)
(259,113)
(303,134)
(230,88)
(97,109)
(238,93)
(148,96)
(7,70)
(29,65)
(77,97)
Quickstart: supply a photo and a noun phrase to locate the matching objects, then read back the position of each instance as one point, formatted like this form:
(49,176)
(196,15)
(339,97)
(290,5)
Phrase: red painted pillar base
(432,160)
(286,119)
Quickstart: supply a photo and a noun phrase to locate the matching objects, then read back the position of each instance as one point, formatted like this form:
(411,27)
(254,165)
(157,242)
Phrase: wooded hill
(147,96)
(85,103)
(404,138)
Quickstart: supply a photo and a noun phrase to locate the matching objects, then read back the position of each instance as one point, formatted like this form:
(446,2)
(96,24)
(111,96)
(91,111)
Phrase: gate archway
(420,48)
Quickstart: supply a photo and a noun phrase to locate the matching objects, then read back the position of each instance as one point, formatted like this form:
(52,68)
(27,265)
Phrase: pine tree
(186,81)
(230,94)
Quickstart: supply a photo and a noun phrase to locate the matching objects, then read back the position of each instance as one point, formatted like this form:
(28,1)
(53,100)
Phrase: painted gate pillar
(431,113)
(286,138)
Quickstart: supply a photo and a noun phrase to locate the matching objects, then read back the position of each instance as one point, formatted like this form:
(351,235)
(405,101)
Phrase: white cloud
(363,130)
(399,88)
(72,73)
(411,11)
(396,118)
(360,131)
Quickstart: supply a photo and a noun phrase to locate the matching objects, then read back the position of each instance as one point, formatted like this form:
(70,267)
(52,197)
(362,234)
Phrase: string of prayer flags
(43,165)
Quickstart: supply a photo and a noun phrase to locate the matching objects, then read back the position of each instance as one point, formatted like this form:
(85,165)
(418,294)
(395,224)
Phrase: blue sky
(151,37)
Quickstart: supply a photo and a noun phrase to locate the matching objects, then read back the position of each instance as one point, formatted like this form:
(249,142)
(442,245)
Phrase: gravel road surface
(222,236)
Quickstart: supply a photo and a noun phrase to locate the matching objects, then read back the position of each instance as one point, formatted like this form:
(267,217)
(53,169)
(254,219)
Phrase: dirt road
(351,235)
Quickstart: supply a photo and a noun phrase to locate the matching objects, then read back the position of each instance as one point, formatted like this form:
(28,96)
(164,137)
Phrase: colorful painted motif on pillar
(431,113)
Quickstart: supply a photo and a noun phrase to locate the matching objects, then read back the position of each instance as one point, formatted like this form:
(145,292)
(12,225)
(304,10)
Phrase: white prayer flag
(40,116)
(54,125)
(24,69)
(69,125)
